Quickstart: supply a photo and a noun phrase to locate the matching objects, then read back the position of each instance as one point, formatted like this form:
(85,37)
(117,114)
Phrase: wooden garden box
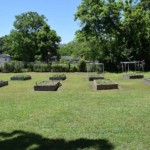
(47,86)
(3,83)
(133,76)
(105,84)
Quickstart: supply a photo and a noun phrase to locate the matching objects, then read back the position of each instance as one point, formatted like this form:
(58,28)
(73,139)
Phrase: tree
(100,24)
(145,4)
(136,25)
(75,48)
(27,37)
(48,42)
(119,30)
(69,48)
(4,44)
(1,44)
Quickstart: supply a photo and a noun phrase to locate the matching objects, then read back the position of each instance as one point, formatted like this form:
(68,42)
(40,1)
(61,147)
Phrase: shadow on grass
(21,140)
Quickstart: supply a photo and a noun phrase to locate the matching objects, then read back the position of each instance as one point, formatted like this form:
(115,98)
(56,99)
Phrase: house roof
(4,55)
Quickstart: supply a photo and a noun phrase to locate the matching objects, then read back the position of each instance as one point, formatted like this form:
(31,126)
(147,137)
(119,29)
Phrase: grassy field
(76,116)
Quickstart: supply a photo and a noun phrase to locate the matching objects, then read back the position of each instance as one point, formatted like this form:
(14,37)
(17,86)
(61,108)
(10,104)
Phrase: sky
(60,15)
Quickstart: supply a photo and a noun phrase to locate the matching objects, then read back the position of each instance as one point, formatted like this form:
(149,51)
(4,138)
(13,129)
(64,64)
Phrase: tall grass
(76,116)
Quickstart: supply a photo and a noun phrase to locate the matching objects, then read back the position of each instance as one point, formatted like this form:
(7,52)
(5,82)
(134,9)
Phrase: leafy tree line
(31,39)
(114,31)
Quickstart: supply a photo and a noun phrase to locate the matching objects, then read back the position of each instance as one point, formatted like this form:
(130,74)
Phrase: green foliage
(63,61)
(76,48)
(48,42)
(32,38)
(41,67)
(23,37)
(12,66)
(115,30)
(5,44)
(74,68)
(67,49)
(82,65)
(60,68)
(58,75)
(22,76)
(19,66)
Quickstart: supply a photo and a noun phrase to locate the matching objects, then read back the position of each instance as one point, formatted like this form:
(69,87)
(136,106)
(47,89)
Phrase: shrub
(13,66)
(73,68)
(82,65)
(60,68)
(41,67)
(63,60)
(29,66)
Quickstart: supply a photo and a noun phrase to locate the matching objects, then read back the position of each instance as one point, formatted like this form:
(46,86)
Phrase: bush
(82,65)
(41,67)
(63,60)
(73,68)
(29,66)
(60,68)
(13,66)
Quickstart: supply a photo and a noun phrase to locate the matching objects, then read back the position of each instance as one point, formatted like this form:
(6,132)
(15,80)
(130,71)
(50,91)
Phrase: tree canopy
(117,30)
(32,39)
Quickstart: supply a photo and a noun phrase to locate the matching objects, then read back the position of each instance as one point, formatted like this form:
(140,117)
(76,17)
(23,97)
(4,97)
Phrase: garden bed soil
(147,81)
(133,76)
(3,83)
(57,78)
(102,86)
(20,78)
(47,86)
(94,78)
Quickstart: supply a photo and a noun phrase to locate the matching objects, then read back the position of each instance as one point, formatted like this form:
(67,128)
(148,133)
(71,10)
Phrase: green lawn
(76,116)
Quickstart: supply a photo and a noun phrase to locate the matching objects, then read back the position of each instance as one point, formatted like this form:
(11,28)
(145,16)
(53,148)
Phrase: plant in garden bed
(58,77)
(105,84)
(104,81)
(47,86)
(21,77)
(3,83)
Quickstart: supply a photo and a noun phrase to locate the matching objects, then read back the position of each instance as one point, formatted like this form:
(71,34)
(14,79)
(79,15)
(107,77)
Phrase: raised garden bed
(147,81)
(133,76)
(105,84)
(21,77)
(91,78)
(58,77)
(47,86)
(3,83)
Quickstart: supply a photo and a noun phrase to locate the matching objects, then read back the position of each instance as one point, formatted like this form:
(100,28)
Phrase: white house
(4,58)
